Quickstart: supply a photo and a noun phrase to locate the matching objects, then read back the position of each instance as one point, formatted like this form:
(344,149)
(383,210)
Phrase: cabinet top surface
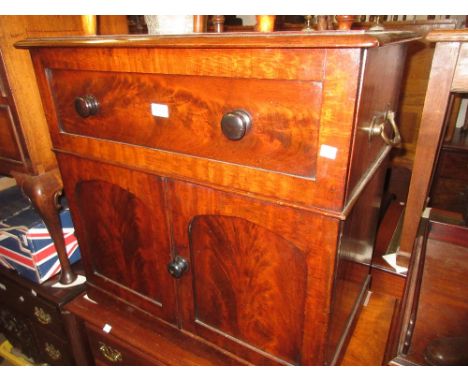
(326,39)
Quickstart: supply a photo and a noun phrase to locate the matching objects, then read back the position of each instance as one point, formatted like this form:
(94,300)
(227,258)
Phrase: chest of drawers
(32,317)
(227,185)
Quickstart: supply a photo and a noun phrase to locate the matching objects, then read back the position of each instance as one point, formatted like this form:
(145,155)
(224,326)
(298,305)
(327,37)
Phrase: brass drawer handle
(52,351)
(110,353)
(377,127)
(42,316)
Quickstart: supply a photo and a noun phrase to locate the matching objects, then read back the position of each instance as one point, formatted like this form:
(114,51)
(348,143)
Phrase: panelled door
(122,228)
(254,277)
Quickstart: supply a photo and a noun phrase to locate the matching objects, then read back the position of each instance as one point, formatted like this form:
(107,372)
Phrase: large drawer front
(110,351)
(285,114)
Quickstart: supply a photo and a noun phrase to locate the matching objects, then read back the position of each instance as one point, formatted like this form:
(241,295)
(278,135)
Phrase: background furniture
(25,147)
(32,318)
(243,197)
(448,74)
(435,297)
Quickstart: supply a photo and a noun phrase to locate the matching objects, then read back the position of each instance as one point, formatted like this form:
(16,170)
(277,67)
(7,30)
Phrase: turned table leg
(43,191)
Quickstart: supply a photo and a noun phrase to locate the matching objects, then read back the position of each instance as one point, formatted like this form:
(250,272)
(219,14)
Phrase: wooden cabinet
(224,186)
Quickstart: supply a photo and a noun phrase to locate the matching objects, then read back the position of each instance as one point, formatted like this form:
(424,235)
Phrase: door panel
(122,231)
(259,276)
(245,272)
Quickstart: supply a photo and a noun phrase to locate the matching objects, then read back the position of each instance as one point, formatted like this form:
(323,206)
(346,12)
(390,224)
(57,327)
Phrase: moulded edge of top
(326,39)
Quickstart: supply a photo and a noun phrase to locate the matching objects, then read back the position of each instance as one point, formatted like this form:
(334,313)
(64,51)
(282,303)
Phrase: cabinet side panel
(383,69)
(354,258)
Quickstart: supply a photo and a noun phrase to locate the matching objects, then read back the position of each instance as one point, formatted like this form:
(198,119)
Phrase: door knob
(177,267)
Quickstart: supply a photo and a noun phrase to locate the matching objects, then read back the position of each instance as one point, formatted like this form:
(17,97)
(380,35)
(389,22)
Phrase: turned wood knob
(86,106)
(235,124)
(177,267)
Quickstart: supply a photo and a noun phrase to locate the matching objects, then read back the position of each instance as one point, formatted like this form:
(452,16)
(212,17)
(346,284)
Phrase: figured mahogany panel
(260,275)
(250,283)
(121,225)
(285,123)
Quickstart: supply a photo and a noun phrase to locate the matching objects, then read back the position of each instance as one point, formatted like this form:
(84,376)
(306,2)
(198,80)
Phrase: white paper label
(107,328)
(328,152)
(160,110)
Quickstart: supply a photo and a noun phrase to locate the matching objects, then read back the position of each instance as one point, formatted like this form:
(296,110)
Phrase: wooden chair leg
(43,191)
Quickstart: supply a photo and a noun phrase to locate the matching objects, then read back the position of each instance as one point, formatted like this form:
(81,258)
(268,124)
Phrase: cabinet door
(259,275)
(121,225)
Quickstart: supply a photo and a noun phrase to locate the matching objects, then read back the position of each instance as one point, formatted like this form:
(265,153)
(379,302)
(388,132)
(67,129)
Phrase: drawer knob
(42,316)
(235,124)
(86,106)
(177,267)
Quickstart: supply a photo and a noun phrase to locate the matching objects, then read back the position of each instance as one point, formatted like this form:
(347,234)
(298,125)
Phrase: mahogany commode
(224,188)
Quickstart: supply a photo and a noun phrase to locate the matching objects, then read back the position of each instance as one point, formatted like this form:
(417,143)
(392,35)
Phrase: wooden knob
(86,106)
(177,267)
(235,124)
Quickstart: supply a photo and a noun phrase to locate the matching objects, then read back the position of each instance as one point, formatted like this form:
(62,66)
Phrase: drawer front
(454,165)
(110,351)
(54,350)
(46,315)
(38,310)
(183,114)
(14,296)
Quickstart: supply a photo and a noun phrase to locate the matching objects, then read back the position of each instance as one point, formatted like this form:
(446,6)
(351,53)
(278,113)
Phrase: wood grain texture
(260,224)
(367,347)
(13,151)
(460,78)
(325,191)
(23,89)
(375,103)
(328,39)
(284,128)
(442,304)
(448,36)
(308,242)
(237,63)
(242,274)
(115,212)
(414,85)
(357,234)
(160,343)
(443,66)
